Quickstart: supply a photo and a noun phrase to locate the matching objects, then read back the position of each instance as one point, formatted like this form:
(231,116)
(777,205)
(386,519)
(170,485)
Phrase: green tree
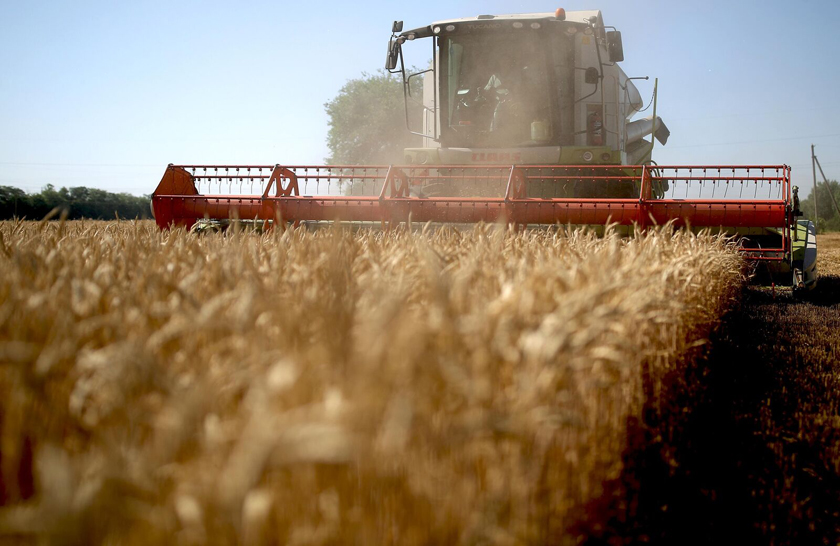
(14,202)
(828,219)
(367,120)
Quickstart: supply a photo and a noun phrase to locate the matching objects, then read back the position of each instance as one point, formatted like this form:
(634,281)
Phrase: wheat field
(332,387)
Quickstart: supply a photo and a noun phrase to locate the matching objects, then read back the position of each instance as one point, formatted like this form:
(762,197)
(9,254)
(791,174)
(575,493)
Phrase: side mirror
(397,27)
(393,54)
(614,47)
(591,75)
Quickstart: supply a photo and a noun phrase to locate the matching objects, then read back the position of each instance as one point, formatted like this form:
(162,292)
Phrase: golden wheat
(332,386)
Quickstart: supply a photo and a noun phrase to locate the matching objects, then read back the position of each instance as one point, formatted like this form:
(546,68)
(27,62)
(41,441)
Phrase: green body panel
(574,155)
(804,247)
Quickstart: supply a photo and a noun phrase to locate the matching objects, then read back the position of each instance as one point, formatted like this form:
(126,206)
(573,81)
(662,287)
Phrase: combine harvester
(526,119)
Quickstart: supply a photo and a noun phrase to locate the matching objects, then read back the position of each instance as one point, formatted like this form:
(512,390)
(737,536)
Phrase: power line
(753,141)
(80,164)
(756,114)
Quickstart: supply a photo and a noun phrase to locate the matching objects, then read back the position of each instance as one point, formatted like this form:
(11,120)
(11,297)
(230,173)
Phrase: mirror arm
(589,95)
(408,81)
(406,91)
(593,91)
(407,96)
(598,52)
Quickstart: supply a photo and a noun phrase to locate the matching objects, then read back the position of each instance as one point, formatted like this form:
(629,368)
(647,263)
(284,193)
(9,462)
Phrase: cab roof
(579,17)
(582,16)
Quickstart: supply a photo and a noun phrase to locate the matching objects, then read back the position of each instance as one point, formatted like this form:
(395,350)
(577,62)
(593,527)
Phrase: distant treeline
(828,218)
(80,202)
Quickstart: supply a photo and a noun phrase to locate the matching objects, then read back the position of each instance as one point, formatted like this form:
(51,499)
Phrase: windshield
(495,89)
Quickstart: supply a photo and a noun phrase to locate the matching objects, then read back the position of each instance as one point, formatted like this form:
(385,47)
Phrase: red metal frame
(394,194)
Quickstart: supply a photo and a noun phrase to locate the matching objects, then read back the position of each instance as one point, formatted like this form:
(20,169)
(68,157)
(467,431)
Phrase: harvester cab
(539,88)
(527,120)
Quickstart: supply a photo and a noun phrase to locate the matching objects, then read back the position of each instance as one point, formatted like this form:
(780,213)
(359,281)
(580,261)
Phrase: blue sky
(106,94)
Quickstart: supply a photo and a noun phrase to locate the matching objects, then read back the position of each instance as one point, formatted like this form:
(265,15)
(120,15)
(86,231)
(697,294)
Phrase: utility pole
(814,171)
